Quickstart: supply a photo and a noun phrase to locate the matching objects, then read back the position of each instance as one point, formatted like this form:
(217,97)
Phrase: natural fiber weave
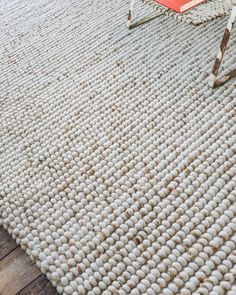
(202,13)
(118,163)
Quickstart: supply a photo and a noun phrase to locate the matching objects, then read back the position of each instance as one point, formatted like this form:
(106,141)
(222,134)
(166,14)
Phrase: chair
(204,12)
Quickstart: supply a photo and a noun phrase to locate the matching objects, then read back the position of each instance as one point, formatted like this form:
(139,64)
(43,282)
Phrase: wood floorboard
(18,274)
(40,286)
(16,271)
(7,244)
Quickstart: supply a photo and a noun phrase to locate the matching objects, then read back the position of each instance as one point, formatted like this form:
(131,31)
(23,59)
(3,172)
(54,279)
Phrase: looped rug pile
(118,163)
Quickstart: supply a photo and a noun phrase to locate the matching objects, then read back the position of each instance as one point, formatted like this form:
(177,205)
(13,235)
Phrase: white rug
(118,163)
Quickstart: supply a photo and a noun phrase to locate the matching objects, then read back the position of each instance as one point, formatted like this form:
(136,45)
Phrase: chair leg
(131,25)
(130,14)
(214,82)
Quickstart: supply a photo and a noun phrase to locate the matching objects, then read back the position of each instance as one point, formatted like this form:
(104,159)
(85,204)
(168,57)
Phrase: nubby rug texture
(118,163)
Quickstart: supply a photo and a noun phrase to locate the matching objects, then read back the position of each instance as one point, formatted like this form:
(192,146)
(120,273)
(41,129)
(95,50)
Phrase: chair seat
(202,13)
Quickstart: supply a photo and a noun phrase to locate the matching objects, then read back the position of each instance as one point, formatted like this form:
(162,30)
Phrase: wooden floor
(18,275)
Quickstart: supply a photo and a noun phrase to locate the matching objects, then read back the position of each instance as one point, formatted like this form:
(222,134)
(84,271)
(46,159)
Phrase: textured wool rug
(118,162)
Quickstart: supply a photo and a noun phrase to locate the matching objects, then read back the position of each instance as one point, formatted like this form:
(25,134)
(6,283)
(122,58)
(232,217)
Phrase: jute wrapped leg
(132,25)
(214,82)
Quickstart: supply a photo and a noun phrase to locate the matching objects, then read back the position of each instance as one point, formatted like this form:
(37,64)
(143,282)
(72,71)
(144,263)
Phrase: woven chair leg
(132,25)
(214,81)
